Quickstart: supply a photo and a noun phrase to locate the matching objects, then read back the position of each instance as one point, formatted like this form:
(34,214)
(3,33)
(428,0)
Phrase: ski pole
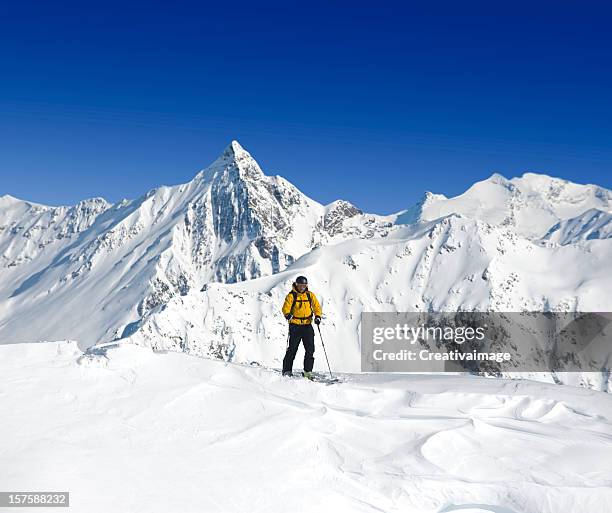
(324,350)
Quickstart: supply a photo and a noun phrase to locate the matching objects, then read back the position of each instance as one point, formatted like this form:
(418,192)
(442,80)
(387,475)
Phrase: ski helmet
(301,279)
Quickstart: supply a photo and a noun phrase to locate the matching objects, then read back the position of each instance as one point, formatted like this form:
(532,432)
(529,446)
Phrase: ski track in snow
(132,430)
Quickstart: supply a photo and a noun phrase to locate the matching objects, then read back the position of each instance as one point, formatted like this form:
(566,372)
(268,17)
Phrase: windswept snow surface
(131,430)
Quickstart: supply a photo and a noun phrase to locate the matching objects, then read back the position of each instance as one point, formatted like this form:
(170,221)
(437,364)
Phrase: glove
(288,317)
(317,320)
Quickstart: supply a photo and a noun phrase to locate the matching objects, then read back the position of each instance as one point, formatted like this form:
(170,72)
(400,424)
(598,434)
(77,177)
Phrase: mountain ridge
(230,223)
(155,269)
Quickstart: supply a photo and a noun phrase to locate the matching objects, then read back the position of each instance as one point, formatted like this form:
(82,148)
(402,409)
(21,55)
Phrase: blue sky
(372,105)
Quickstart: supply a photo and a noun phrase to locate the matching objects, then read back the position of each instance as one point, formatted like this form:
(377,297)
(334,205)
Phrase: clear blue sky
(373,105)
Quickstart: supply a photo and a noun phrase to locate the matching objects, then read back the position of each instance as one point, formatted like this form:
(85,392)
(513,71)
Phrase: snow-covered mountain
(530,205)
(203,267)
(85,272)
(451,264)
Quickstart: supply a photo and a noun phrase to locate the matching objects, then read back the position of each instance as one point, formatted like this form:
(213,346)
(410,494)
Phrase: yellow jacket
(302,313)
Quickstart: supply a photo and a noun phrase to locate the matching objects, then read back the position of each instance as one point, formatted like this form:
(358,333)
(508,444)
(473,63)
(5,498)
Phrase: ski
(316,377)
(326,381)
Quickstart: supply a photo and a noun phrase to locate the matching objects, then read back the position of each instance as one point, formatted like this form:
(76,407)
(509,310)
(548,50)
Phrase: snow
(87,271)
(530,204)
(446,265)
(177,403)
(590,225)
(139,431)
(202,267)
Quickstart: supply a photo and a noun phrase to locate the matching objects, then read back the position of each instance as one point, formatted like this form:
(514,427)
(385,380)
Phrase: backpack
(295,299)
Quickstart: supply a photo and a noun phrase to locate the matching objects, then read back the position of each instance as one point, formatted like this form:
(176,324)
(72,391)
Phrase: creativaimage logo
(490,342)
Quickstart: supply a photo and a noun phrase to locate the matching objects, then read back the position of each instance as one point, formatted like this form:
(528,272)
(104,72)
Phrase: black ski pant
(297,334)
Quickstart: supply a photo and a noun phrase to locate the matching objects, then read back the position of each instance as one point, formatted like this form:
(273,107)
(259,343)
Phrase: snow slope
(451,264)
(590,225)
(138,431)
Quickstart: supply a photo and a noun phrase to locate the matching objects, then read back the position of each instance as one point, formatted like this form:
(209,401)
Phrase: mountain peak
(538,182)
(8,200)
(235,153)
(234,149)
(414,213)
(233,156)
(498,179)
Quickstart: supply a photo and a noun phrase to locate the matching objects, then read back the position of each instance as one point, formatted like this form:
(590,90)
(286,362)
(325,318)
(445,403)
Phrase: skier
(299,307)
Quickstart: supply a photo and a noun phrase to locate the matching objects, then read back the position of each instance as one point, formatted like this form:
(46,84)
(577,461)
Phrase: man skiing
(299,307)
